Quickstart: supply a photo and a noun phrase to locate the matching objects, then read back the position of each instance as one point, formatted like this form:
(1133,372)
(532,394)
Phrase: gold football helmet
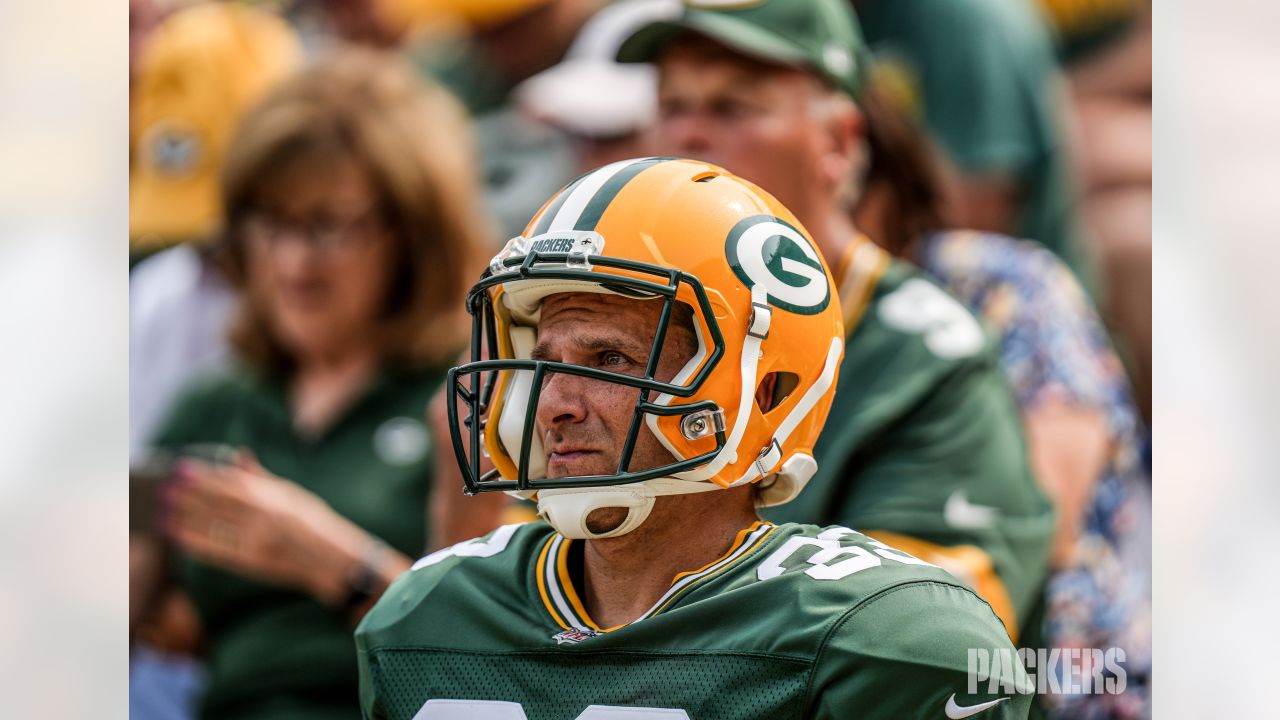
(677,231)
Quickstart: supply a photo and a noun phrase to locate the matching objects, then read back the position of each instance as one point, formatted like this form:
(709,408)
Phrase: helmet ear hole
(774,390)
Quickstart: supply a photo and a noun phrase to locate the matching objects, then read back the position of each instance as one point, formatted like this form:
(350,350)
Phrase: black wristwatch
(363,581)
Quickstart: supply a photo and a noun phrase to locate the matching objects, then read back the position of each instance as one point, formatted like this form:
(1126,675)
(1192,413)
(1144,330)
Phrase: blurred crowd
(315,184)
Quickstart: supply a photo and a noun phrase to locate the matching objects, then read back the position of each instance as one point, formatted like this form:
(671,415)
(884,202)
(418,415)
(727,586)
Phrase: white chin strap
(566,509)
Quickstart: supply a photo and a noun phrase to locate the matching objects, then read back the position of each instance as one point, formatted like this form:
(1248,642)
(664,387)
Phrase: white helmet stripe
(577,201)
(813,394)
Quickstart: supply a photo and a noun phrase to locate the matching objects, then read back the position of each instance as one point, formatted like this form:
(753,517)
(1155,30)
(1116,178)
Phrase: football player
(653,361)
(925,448)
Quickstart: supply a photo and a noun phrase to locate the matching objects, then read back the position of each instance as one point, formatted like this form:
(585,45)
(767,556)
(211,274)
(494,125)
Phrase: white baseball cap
(589,93)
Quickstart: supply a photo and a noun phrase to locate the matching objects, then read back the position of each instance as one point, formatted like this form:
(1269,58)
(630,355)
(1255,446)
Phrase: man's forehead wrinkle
(587,309)
(729,77)
(592,299)
(737,87)
(593,322)
(591,340)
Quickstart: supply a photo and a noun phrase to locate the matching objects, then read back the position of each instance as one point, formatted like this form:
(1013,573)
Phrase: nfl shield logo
(574,636)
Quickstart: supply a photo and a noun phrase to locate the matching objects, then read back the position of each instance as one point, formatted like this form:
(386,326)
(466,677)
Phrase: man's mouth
(570,461)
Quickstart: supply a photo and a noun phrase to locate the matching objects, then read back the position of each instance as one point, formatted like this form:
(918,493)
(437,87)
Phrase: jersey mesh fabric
(764,686)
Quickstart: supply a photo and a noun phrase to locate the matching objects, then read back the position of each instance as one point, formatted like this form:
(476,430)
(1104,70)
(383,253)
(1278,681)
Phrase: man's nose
(562,400)
(687,134)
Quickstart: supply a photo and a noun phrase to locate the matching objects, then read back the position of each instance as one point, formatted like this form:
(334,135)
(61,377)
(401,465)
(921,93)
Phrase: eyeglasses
(323,234)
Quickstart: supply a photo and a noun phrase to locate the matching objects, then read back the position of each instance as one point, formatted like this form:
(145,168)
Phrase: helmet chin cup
(566,509)
(782,487)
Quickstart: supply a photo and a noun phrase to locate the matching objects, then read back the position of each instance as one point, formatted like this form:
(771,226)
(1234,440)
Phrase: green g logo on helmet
(768,251)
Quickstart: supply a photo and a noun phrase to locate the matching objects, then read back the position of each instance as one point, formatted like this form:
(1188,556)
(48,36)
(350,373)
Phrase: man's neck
(833,234)
(324,385)
(625,576)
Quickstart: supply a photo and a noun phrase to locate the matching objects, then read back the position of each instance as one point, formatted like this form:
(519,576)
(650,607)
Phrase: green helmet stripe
(595,208)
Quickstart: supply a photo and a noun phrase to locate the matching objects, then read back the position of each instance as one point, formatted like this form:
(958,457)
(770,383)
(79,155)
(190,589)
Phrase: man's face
(756,120)
(583,423)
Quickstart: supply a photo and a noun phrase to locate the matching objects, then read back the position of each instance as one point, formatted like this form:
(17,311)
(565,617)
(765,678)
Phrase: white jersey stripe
(553,586)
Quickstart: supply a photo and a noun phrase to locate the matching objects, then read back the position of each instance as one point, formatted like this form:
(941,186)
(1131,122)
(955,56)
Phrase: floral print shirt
(1053,347)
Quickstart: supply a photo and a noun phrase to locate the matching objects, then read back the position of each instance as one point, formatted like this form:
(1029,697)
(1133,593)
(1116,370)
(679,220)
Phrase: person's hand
(246,520)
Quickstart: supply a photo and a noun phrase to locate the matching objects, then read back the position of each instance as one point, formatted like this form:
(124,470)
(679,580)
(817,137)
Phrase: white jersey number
(918,306)
(497,710)
(479,547)
(833,560)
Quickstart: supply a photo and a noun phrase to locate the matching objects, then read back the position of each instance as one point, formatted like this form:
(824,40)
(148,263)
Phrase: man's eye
(731,109)
(613,358)
(671,108)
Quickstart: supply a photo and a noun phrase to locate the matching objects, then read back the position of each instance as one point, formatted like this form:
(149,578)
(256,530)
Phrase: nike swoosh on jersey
(956,711)
(960,513)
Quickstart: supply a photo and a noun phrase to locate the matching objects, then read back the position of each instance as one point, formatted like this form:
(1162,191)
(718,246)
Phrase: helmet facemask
(500,389)
(678,231)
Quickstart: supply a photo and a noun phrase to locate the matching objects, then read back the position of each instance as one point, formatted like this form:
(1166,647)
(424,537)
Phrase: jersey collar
(564,605)
(859,270)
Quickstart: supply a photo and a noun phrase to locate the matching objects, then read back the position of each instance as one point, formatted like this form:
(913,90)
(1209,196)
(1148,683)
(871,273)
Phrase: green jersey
(923,447)
(793,621)
(276,653)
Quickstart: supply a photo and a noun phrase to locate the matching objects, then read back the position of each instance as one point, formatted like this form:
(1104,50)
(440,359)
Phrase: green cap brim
(647,44)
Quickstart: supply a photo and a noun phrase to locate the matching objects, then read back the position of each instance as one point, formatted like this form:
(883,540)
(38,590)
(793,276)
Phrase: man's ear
(844,158)
(764,392)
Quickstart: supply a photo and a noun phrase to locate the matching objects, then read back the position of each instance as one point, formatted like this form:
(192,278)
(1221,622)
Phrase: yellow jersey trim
(542,584)
(859,272)
(970,563)
(563,601)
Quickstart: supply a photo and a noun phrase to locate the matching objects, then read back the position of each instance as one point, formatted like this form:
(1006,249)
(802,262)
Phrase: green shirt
(275,652)
(982,76)
(793,622)
(924,440)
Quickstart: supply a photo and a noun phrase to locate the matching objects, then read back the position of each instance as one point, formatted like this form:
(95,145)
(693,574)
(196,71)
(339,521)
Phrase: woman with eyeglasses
(302,475)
